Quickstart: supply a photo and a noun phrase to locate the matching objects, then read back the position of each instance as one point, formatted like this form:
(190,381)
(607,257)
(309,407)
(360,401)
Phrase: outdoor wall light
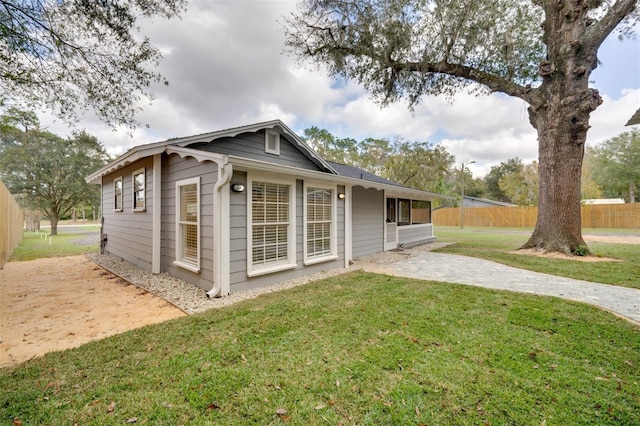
(237,187)
(341,196)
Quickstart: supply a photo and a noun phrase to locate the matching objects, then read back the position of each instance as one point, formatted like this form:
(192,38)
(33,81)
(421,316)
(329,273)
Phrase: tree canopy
(521,186)
(73,55)
(541,51)
(617,165)
(418,165)
(496,174)
(46,172)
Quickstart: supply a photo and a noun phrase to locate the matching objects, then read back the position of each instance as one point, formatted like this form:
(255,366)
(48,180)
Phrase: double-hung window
(320,223)
(139,183)
(188,224)
(117,194)
(271,215)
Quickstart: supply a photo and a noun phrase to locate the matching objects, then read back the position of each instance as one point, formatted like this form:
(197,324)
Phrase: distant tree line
(611,169)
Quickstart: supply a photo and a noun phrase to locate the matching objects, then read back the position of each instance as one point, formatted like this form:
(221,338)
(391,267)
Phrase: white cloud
(610,118)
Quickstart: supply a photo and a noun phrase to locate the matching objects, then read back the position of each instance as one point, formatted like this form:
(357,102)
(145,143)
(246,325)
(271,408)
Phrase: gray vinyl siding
(367,221)
(238,245)
(129,233)
(414,235)
(238,232)
(176,169)
(251,145)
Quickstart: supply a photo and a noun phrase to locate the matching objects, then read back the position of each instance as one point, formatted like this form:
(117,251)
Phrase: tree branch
(604,26)
(493,82)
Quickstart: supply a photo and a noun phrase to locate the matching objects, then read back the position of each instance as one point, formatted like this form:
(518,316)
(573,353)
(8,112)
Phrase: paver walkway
(483,273)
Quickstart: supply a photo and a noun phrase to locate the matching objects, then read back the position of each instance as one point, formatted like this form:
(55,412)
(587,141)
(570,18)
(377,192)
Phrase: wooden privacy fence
(11,224)
(593,216)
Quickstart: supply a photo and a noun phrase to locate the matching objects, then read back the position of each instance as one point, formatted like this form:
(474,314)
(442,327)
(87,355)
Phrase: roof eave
(278,168)
(635,119)
(144,151)
(235,131)
(134,154)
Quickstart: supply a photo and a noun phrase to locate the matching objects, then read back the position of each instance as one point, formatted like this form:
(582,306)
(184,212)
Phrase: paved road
(483,273)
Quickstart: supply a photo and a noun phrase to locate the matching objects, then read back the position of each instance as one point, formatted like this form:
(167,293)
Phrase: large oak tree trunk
(560,111)
(562,124)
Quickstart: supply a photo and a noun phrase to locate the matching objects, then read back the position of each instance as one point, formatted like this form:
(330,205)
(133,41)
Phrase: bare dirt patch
(612,239)
(607,239)
(59,303)
(556,255)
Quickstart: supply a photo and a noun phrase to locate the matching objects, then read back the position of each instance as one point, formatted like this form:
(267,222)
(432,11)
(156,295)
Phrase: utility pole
(462,193)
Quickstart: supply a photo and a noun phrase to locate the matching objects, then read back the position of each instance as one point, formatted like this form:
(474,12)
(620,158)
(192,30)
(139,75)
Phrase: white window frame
(115,204)
(133,189)
(180,261)
(310,260)
(290,263)
(267,149)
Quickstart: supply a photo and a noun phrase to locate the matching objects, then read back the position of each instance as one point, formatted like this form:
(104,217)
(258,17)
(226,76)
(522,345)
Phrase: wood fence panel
(11,224)
(624,216)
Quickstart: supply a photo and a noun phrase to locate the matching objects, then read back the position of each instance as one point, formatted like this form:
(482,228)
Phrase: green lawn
(495,244)
(354,349)
(37,245)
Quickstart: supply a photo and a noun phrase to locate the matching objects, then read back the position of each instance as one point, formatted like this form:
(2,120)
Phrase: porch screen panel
(404,212)
(270,220)
(319,222)
(420,212)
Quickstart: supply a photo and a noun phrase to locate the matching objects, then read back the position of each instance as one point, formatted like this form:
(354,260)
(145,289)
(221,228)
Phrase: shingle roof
(635,119)
(357,173)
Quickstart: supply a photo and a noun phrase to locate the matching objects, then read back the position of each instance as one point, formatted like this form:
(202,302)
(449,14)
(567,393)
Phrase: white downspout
(221,230)
(348,229)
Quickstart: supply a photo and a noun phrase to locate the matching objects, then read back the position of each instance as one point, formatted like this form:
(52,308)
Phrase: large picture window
(117,194)
(319,224)
(139,183)
(188,224)
(271,222)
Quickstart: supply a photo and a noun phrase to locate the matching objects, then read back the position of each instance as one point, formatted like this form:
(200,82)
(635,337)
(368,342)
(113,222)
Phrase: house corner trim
(157,215)
(221,243)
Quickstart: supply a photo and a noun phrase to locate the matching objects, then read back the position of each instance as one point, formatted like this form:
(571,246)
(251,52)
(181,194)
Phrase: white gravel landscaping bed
(192,299)
(188,297)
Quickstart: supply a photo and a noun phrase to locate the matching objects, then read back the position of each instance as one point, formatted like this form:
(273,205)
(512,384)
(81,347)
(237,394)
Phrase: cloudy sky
(225,63)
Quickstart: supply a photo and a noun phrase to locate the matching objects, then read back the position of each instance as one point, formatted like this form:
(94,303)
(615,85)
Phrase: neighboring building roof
(603,201)
(357,173)
(635,119)
(489,202)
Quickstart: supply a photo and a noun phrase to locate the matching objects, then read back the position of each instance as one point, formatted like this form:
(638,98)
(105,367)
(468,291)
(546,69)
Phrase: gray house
(250,206)
(484,202)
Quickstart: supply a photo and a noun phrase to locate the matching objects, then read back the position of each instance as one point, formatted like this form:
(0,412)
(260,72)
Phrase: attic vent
(272,142)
